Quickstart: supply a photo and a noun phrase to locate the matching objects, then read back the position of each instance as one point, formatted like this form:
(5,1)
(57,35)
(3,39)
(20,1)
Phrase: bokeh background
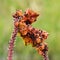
(48,20)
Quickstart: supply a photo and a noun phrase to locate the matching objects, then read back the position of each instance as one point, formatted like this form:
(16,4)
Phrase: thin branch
(11,42)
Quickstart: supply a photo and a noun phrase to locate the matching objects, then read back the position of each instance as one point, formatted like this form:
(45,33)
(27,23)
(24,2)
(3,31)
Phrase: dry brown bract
(31,35)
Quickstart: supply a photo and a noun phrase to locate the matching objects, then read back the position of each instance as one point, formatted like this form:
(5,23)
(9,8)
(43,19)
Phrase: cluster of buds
(31,35)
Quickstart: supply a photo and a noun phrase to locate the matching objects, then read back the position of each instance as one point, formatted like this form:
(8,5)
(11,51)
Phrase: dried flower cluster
(31,35)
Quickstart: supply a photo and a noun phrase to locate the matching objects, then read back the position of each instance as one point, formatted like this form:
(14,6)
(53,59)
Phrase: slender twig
(11,43)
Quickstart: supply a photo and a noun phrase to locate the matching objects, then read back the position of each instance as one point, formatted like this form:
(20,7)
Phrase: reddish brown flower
(31,35)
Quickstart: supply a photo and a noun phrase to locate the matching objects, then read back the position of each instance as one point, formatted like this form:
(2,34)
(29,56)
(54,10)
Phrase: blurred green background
(48,20)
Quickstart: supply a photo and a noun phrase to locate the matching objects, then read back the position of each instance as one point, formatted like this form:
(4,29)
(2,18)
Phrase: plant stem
(11,44)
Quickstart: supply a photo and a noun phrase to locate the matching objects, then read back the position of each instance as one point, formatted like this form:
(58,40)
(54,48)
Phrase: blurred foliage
(48,20)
